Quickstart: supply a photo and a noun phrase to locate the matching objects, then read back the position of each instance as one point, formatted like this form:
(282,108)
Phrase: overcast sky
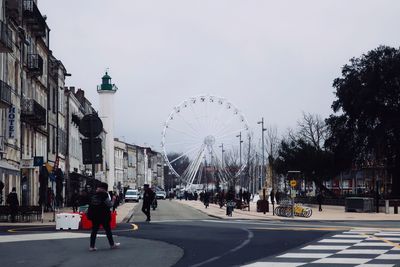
(272,59)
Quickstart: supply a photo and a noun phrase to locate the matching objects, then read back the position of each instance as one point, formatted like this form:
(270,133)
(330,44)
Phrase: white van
(132,195)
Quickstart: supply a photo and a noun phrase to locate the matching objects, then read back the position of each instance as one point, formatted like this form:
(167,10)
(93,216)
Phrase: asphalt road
(178,235)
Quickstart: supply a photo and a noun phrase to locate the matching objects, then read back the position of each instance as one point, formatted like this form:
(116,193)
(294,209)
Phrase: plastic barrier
(87,224)
(67,221)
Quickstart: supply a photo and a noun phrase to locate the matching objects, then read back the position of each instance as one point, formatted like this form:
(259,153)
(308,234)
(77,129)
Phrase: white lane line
(350,236)
(305,255)
(388,257)
(274,264)
(342,260)
(325,247)
(250,236)
(38,237)
(363,251)
(328,240)
(373,244)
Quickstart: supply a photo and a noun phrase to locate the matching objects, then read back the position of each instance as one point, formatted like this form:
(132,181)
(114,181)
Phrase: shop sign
(26,164)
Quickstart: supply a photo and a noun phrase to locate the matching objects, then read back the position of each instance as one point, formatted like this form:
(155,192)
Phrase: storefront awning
(7,166)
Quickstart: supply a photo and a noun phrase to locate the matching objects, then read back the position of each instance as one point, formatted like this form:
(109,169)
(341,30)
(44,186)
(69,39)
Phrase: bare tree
(313,130)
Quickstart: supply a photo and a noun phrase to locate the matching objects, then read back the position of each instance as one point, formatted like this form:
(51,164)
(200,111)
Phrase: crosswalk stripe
(363,251)
(372,244)
(329,240)
(388,257)
(274,264)
(375,265)
(350,236)
(306,255)
(397,239)
(324,247)
(387,234)
(342,260)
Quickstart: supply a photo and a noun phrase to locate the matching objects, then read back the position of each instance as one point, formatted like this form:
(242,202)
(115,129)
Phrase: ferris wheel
(205,133)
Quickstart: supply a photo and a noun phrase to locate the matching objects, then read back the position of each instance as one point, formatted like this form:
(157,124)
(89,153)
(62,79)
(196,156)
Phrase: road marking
(296,229)
(39,237)
(349,236)
(373,244)
(274,264)
(363,251)
(388,257)
(328,240)
(388,234)
(250,235)
(343,260)
(305,255)
(375,265)
(14,230)
(325,247)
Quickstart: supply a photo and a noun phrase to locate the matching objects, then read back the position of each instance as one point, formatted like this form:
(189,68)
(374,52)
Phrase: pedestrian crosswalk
(357,247)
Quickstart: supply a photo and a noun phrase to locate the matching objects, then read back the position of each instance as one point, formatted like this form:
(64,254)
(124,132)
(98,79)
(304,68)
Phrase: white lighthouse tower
(106,93)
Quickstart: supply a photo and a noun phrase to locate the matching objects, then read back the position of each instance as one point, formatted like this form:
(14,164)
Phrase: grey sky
(270,58)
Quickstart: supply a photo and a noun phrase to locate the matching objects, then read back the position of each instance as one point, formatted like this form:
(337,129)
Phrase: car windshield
(131,193)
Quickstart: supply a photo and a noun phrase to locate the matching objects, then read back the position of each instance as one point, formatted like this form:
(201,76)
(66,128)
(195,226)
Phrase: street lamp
(263,161)
(240,156)
(222,154)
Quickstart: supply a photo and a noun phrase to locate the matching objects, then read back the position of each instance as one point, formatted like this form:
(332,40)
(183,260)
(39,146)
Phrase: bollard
(387,210)
(396,210)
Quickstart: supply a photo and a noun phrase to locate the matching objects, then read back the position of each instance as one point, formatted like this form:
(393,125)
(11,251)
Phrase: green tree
(365,126)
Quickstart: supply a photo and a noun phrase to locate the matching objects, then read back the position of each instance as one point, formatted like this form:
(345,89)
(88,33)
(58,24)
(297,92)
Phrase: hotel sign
(11,122)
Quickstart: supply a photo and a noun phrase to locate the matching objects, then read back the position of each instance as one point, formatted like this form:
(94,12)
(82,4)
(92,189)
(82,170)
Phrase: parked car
(132,195)
(161,194)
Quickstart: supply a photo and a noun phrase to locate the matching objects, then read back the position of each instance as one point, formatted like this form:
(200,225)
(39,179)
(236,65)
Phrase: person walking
(75,201)
(320,198)
(99,213)
(230,201)
(12,201)
(148,197)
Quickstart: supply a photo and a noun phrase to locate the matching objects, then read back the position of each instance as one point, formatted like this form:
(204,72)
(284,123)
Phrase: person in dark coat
(99,213)
(12,201)
(75,201)
(230,197)
(320,199)
(148,197)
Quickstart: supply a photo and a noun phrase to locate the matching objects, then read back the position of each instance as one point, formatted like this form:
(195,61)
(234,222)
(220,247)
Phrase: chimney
(72,89)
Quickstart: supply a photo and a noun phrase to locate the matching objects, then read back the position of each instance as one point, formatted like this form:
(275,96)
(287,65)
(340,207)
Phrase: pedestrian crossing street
(357,247)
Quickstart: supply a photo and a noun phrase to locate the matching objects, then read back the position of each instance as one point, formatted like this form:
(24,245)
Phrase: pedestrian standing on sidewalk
(320,198)
(99,213)
(148,197)
(12,201)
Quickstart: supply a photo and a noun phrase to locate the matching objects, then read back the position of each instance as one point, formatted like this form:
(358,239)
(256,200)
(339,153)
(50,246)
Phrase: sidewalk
(124,211)
(329,213)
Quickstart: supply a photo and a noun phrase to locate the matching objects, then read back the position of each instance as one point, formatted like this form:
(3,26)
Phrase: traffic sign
(90,126)
(293,183)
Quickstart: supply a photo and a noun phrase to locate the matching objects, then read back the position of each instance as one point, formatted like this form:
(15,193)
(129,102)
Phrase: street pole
(262,147)
(240,157)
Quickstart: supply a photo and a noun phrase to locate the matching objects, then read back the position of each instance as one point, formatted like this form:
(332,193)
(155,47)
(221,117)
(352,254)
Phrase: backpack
(95,206)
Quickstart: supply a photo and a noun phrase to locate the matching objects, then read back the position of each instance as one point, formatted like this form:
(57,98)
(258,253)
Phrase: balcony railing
(33,113)
(13,8)
(34,18)
(35,64)
(5,95)
(6,44)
